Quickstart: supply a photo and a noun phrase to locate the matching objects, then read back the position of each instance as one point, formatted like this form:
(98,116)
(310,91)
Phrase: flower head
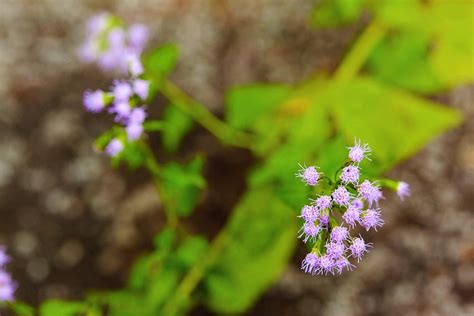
(4,258)
(351,216)
(350,174)
(114,147)
(138,36)
(403,190)
(141,87)
(310,263)
(358,248)
(342,263)
(94,101)
(122,91)
(310,230)
(335,249)
(341,196)
(358,151)
(370,192)
(309,175)
(323,202)
(137,116)
(339,234)
(371,218)
(134,131)
(7,287)
(309,213)
(326,264)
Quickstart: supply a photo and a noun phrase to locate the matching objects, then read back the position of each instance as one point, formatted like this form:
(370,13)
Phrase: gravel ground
(68,218)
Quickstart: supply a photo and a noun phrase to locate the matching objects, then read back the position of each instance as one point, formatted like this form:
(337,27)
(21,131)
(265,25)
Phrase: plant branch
(358,54)
(199,112)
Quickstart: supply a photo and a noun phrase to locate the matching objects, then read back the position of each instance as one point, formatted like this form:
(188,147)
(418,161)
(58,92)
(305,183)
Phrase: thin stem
(356,57)
(155,171)
(195,275)
(199,112)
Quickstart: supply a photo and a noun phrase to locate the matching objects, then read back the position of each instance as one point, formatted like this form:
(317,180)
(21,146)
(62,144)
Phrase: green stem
(155,171)
(357,56)
(200,113)
(194,276)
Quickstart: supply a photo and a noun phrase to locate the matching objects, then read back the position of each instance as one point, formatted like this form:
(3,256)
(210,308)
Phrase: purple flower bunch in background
(7,285)
(112,46)
(115,48)
(342,204)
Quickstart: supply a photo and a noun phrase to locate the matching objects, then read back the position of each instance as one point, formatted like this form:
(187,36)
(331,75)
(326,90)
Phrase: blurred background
(72,223)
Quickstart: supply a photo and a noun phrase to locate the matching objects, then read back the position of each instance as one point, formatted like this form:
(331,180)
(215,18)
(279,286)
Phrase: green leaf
(21,309)
(395,123)
(133,154)
(246,104)
(331,13)
(260,240)
(160,62)
(153,126)
(182,185)
(402,59)
(61,308)
(177,124)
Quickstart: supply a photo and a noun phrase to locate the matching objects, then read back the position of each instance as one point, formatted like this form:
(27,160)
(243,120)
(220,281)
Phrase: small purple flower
(134,131)
(371,219)
(4,258)
(370,192)
(309,231)
(138,36)
(335,249)
(122,91)
(97,24)
(134,65)
(326,265)
(351,216)
(324,220)
(116,39)
(122,111)
(109,60)
(342,263)
(94,101)
(341,196)
(309,175)
(358,152)
(403,190)
(7,287)
(88,52)
(141,88)
(310,263)
(137,116)
(114,147)
(309,213)
(350,174)
(358,248)
(323,202)
(339,234)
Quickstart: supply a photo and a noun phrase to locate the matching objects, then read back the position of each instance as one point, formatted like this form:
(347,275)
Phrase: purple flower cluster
(7,285)
(348,201)
(112,47)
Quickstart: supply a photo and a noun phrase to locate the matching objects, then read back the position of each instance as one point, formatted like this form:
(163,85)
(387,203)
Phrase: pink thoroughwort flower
(348,201)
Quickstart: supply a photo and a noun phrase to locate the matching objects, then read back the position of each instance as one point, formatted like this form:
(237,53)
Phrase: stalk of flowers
(349,201)
(110,45)
(7,284)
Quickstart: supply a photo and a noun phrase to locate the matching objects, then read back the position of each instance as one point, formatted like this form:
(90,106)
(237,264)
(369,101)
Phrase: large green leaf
(260,239)
(247,103)
(182,185)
